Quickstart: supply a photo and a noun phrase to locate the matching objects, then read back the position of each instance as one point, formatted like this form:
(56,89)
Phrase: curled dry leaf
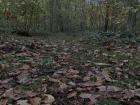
(53,80)
(48,99)
(25,67)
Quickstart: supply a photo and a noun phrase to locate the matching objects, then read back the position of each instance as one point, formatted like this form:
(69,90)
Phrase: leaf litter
(40,72)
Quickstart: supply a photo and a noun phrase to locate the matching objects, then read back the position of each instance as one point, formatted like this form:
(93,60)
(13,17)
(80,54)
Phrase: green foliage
(69,15)
(3,74)
(22,58)
(93,78)
(35,85)
(108,36)
(127,35)
(47,60)
(100,36)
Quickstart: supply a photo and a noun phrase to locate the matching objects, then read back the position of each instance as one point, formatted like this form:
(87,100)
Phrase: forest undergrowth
(86,70)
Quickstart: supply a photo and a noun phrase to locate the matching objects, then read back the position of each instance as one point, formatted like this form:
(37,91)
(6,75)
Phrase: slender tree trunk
(106,18)
(132,15)
(132,19)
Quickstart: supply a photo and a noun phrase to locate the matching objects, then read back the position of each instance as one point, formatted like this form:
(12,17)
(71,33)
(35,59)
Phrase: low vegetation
(101,69)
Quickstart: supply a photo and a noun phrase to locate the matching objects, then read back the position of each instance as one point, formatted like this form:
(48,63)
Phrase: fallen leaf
(106,75)
(72,83)
(9,93)
(35,101)
(109,89)
(138,84)
(30,94)
(86,78)
(53,80)
(93,99)
(6,81)
(128,94)
(72,94)
(3,102)
(63,86)
(48,99)
(3,66)
(23,78)
(85,95)
(137,93)
(23,102)
(90,84)
(102,64)
(25,67)
(73,72)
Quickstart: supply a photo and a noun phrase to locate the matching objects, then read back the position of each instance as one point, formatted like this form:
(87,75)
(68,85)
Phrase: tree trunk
(106,18)
(132,19)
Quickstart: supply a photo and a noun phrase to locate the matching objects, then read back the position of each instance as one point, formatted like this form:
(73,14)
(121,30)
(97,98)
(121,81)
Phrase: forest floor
(36,71)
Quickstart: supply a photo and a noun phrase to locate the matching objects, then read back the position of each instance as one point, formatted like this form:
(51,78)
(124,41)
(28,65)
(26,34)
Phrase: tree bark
(106,18)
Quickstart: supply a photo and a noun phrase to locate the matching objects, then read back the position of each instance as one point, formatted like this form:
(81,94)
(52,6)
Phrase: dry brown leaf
(137,93)
(25,67)
(102,64)
(73,72)
(23,102)
(3,102)
(73,76)
(71,83)
(53,80)
(72,94)
(30,94)
(106,75)
(5,81)
(109,89)
(91,84)
(127,94)
(22,54)
(9,93)
(138,84)
(48,99)
(86,78)
(85,95)
(93,99)
(23,78)
(35,101)
(63,86)
(3,66)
